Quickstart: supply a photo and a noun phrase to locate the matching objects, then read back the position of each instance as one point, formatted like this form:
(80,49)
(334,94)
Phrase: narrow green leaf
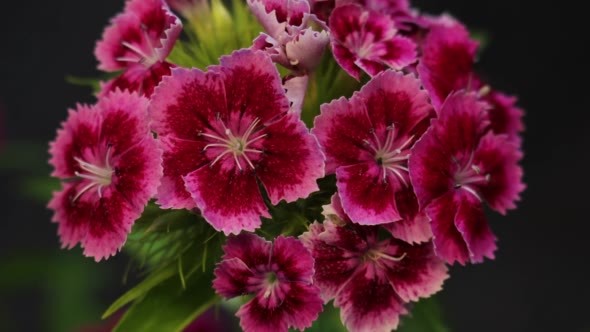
(153,280)
(425,316)
(168,307)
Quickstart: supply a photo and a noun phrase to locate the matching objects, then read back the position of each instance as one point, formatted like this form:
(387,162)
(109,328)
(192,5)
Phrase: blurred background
(538,282)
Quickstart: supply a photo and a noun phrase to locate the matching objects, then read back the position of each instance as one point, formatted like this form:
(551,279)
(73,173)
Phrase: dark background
(539,280)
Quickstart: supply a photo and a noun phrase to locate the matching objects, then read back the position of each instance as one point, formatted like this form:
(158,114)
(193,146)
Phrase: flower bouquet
(273,156)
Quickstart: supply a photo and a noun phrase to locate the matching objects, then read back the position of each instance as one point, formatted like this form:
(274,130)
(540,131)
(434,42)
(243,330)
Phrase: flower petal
(447,60)
(450,141)
(419,274)
(448,241)
(334,265)
(180,158)
(342,128)
(292,161)
(292,259)
(212,186)
(301,306)
(143,34)
(392,98)
(500,156)
(185,103)
(369,303)
(505,116)
(138,78)
(306,49)
(366,197)
(473,226)
(231,278)
(252,84)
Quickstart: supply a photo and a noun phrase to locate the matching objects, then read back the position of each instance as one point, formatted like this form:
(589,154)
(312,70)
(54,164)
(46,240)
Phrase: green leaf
(153,280)
(329,320)
(425,316)
(169,307)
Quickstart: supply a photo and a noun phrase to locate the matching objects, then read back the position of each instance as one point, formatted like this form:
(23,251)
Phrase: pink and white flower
(110,165)
(457,165)
(290,39)
(367,141)
(137,42)
(225,132)
(365,40)
(370,279)
(278,274)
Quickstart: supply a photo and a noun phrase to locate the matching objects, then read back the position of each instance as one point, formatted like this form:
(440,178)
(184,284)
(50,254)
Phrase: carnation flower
(290,39)
(446,66)
(370,279)
(226,130)
(456,166)
(109,163)
(367,142)
(278,274)
(138,42)
(368,40)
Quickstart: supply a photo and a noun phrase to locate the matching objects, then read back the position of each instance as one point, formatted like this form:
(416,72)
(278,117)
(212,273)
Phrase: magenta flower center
(391,153)
(98,176)
(232,144)
(468,177)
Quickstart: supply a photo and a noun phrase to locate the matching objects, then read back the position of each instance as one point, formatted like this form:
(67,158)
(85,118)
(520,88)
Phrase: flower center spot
(390,154)
(237,146)
(97,176)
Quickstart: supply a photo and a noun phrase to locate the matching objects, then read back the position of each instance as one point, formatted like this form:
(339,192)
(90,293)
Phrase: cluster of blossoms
(416,154)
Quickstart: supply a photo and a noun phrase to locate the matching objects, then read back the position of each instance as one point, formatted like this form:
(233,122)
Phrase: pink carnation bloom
(138,42)
(367,141)
(224,132)
(278,274)
(458,164)
(446,65)
(110,165)
(364,40)
(289,38)
(370,279)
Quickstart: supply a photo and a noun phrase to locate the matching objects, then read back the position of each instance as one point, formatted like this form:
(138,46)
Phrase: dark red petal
(293,260)
(499,157)
(341,128)
(448,241)
(505,116)
(99,225)
(447,145)
(229,200)
(368,302)
(396,99)
(179,159)
(300,307)
(366,197)
(333,265)
(79,133)
(185,103)
(473,225)
(253,85)
(419,274)
(251,249)
(231,278)
(347,60)
(447,61)
(415,225)
(291,162)
(138,78)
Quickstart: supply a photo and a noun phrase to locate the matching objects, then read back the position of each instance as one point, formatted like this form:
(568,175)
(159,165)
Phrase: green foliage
(216,31)
(425,316)
(178,249)
(327,83)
